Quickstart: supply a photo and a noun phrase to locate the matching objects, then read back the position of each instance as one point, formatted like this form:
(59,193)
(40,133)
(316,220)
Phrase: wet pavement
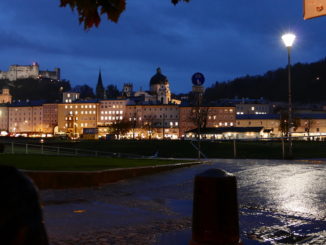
(281,202)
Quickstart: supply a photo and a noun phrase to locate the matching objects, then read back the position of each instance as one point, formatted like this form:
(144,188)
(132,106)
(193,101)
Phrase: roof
(27,103)
(221,130)
(311,116)
(278,116)
(257,116)
(158,78)
(188,104)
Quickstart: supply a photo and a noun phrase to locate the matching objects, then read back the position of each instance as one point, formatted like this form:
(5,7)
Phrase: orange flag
(313,8)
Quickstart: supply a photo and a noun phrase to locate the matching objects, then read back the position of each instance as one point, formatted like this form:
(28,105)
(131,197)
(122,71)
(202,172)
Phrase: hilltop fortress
(29,71)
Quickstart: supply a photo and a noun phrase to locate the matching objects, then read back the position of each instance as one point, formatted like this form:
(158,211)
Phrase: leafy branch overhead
(90,11)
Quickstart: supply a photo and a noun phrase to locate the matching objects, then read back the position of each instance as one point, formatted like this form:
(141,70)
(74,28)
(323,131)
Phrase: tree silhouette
(308,85)
(90,11)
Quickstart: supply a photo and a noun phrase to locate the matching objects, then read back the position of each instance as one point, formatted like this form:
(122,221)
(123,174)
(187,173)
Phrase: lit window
(86,112)
(66,101)
(86,106)
(76,106)
(76,112)
(82,112)
(68,95)
(252,108)
(71,107)
(82,106)
(226,124)
(121,117)
(65,107)
(94,106)
(231,124)
(102,117)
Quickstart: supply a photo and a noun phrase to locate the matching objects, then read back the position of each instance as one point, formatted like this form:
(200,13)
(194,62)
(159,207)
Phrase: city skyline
(219,40)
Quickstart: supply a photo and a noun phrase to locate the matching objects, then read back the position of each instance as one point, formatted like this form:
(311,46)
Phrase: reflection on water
(297,193)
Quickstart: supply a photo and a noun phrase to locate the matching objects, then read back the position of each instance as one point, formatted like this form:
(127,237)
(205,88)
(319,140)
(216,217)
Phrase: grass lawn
(184,149)
(212,149)
(62,163)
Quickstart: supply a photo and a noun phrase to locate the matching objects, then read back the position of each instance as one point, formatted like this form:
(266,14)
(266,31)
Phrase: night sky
(223,39)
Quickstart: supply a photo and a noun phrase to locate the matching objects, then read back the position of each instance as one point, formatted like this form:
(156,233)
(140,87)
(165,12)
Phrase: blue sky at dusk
(222,39)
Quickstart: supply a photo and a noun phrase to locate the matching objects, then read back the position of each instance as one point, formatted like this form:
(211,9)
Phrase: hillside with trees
(36,89)
(308,85)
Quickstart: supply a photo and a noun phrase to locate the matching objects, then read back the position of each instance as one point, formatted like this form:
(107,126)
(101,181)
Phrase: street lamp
(288,40)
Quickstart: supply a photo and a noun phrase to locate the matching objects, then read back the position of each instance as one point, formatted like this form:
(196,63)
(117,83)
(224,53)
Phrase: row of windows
(154,116)
(111,112)
(82,112)
(154,109)
(81,125)
(112,102)
(29,109)
(111,106)
(82,106)
(226,124)
(111,118)
(24,119)
(81,118)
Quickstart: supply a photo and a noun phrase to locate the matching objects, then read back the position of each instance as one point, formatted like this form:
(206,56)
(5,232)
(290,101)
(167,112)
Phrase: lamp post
(288,40)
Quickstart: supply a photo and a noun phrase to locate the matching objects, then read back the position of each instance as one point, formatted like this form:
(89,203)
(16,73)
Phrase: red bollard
(215,219)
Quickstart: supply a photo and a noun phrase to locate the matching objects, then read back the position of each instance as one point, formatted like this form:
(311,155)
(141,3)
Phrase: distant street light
(288,40)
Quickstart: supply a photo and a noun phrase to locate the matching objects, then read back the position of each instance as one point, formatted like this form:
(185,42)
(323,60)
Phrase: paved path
(278,200)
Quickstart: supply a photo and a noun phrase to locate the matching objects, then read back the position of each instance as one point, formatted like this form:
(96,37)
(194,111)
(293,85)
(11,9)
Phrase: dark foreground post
(215,219)
(21,218)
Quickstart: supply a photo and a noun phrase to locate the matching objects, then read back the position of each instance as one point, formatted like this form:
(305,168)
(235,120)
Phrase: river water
(280,202)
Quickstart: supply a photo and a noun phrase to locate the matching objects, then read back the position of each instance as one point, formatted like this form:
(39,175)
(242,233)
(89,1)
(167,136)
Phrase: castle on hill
(16,72)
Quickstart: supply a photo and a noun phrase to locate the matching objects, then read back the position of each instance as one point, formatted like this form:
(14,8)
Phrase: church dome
(158,78)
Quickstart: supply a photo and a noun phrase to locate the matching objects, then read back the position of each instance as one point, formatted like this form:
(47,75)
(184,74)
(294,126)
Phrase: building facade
(74,117)
(25,119)
(50,118)
(4,118)
(153,121)
(212,116)
(5,96)
(16,72)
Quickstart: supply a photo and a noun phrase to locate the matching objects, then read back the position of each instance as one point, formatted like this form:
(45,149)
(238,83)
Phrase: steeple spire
(100,91)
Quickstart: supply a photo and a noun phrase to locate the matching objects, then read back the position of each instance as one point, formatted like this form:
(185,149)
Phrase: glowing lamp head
(288,39)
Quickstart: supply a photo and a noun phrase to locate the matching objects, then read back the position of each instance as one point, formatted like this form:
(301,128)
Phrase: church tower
(159,86)
(100,91)
(127,90)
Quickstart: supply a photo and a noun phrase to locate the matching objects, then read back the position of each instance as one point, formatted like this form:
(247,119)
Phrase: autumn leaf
(90,11)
